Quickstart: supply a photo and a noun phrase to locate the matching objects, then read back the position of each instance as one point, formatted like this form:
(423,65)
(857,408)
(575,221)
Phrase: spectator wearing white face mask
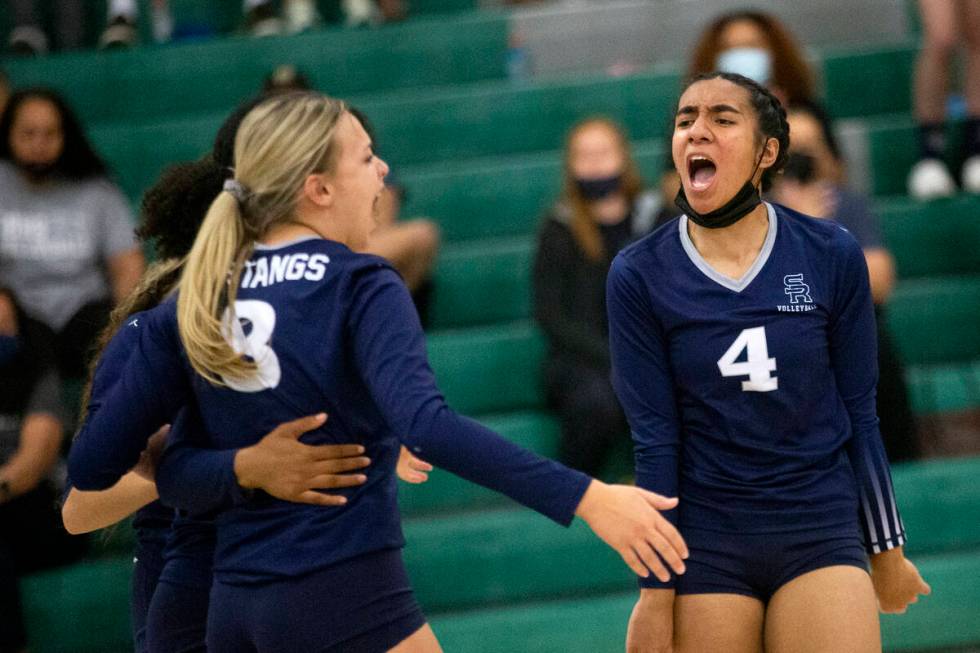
(758,46)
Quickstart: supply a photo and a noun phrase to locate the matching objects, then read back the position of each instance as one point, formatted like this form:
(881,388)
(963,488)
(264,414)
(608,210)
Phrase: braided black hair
(769,112)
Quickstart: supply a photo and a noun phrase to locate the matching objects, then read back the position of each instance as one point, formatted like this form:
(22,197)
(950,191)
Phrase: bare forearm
(124,271)
(84,512)
(881,270)
(35,455)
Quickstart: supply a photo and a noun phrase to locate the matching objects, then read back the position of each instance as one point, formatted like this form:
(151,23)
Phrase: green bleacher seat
(932,238)
(156,83)
(83,608)
(467,561)
(894,149)
(501,196)
(868,82)
(417,126)
(935,320)
(498,118)
(483,283)
(944,621)
(520,551)
(944,387)
(492,369)
(940,503)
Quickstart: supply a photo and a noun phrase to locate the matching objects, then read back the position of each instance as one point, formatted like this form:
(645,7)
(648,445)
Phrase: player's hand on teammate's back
(628,519)
(897,581)
(411,469)
(651,627)
(288,469)
(150,458)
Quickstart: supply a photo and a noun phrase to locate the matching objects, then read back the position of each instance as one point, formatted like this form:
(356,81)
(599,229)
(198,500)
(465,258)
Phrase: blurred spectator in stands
(4,90)
(410,245)
(946,24)
(603,207)
(285,79)
(31,429)
(759,46)
(67,248)
(70,20)
(262,18)
(812,183)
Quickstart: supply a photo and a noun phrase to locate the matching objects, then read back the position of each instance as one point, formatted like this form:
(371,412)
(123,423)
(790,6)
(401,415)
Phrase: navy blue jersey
(151,522)
(329,330)
(753,400)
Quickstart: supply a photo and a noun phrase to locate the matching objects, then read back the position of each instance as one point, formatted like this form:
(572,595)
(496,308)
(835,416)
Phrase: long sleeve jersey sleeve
(853,353)
(642,380)
(389,348)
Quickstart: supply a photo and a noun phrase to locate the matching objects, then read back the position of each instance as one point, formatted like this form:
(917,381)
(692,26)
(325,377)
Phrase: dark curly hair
(78,159)
(173,209)
(769,113)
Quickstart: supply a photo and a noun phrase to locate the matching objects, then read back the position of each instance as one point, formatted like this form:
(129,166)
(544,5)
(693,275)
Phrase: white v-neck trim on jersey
(735,285)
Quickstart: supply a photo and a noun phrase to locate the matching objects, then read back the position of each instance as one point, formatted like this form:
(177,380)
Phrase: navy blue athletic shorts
(177,620)
(757,565)
(362,605)
(147,565)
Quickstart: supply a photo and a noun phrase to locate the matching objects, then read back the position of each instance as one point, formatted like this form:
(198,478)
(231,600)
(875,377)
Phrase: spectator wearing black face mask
(603,207)
(67,248)
(812,183)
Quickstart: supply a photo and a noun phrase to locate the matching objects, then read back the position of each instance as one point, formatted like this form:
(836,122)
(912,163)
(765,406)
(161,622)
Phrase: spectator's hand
(150,458)
(628,519)
(8,316)
(412,469)
(287,469)
(651,627)
(814,199)
(897,581)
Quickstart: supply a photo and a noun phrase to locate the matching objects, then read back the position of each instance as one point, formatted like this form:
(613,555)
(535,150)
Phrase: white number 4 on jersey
(757,365)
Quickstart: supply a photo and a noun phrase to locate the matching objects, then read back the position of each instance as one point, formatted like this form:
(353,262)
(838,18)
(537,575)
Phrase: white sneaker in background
(300,15)
(119,33)
(360,12)
(162,21)
(971,174)
(27,40)
(261,20)
(930,179)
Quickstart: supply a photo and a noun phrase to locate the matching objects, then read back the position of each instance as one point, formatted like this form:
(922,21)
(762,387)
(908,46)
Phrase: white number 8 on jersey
(255,345)
(757,365)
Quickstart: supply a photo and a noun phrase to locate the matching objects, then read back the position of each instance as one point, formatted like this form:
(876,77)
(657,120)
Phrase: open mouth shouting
(701,171)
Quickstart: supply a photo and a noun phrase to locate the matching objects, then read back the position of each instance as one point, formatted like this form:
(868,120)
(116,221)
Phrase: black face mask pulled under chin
(747,198)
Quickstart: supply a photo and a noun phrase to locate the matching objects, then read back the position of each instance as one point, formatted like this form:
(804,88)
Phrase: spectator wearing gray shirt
(67,248)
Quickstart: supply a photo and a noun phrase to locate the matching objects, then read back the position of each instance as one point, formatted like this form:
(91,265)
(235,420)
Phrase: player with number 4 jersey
(743,344)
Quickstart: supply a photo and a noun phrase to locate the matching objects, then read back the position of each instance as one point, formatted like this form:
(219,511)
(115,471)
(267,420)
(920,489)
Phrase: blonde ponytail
(279,143)
(209,284)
